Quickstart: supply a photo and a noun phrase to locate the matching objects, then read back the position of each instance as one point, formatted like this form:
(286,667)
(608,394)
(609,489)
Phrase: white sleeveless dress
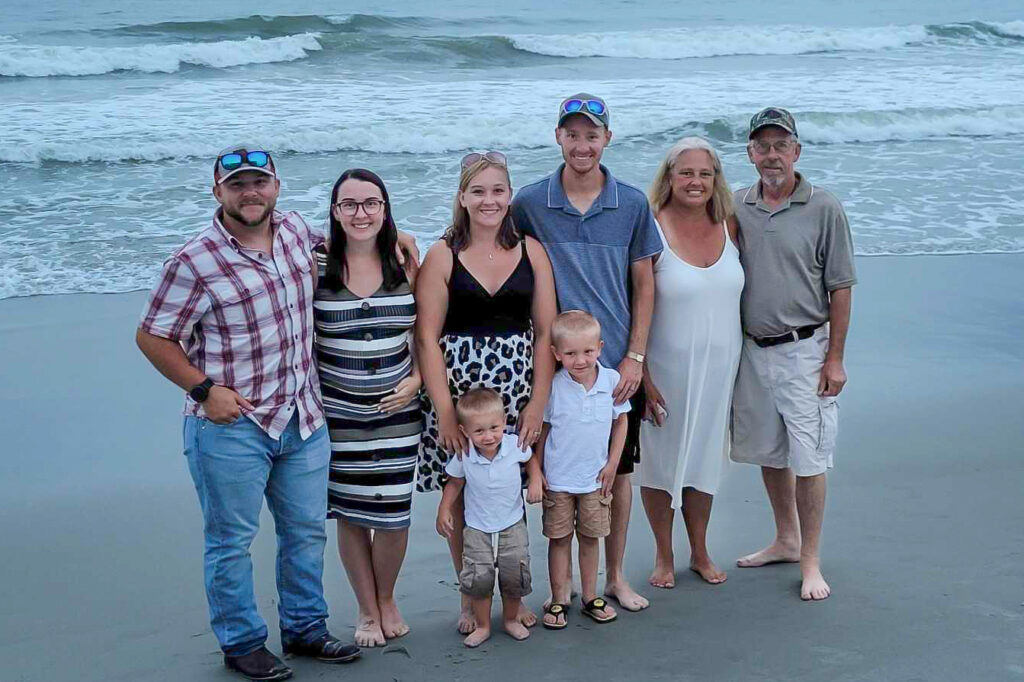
(693,352)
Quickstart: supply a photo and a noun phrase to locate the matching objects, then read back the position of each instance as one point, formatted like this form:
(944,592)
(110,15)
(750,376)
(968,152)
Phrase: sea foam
(40,61)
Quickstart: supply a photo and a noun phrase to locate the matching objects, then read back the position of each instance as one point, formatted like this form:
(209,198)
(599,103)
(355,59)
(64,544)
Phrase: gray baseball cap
(772,116)
(242,157)
(591,106)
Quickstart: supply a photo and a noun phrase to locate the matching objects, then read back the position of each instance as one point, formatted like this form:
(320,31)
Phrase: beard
(237,215)
(774,180)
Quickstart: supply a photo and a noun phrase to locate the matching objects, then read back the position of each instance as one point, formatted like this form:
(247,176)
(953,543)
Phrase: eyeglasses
(573,106)
(475,157)
(230,162)
(370,207)
(780,146)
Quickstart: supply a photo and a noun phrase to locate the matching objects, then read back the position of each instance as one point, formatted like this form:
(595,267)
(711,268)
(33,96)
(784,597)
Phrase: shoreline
(103,540)
(857,256)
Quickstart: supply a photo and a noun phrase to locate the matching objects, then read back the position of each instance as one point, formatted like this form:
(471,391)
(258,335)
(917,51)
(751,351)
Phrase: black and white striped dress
(362,349)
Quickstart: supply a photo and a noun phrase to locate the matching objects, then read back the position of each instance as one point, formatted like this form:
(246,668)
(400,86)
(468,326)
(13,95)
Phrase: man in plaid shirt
(231,323)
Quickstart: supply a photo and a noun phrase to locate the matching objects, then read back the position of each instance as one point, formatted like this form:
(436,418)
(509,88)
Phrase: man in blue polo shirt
(601,238)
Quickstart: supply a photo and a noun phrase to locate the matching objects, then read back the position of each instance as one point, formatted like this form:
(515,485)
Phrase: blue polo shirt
(591,253)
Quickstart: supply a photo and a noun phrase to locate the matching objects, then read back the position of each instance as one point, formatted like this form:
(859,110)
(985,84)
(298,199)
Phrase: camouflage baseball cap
(772,116)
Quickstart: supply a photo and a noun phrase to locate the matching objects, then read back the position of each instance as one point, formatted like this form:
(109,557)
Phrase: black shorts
(631,450)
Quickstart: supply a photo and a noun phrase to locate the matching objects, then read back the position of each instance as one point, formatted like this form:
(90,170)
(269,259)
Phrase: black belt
(795,335)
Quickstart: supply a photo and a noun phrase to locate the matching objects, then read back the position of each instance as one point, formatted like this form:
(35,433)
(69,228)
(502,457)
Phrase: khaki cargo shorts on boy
(511,560)
(778,418)
(590,513)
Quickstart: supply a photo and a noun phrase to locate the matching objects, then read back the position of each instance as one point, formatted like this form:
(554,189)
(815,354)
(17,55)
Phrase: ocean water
(911,112)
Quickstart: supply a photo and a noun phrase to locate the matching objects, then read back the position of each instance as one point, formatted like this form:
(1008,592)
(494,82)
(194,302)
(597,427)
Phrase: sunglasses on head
(234,160)
(475,157)
(573,106)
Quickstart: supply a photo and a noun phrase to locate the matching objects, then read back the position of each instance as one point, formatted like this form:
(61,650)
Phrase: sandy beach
(924,546)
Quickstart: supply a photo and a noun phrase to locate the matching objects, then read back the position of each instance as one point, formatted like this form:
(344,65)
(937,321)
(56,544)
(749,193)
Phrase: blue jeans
(234,466)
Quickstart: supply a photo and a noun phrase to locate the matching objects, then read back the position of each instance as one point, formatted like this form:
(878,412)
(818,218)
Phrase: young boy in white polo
(495,534)
(579,449)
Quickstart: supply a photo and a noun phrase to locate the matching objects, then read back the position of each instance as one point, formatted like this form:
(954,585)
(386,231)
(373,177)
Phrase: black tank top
(474,312)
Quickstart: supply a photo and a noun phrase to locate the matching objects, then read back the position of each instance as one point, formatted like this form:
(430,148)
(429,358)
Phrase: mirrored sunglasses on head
(573,106)
(235,160)
(474,157)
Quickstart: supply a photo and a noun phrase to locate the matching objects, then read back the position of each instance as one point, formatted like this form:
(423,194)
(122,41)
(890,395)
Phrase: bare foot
(663,576)
(467,623)
(775,553)
(391,621)
(526,617)
(626,596)
(516,629)
(368,633)
(477,637)
(814,587)
(708,571)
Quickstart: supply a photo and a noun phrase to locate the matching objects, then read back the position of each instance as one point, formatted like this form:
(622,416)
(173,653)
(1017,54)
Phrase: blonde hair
(572,323)
(719,205)
(478,401)
(457,234)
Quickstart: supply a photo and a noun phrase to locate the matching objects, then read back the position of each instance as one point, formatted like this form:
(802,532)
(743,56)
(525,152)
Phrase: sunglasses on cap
(235,160)
(575,106)
(474,157)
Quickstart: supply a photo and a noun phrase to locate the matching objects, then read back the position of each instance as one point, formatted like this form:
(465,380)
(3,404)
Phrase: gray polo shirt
(591,253)
(792,256)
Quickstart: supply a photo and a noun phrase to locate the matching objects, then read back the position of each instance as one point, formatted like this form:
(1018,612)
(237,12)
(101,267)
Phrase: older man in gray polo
(797,256)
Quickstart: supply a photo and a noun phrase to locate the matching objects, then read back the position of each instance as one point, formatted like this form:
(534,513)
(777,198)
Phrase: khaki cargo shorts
(590,513)
(511,561)
(778,419)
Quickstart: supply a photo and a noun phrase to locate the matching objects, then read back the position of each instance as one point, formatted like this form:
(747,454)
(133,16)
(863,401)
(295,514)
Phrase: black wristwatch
(200,392)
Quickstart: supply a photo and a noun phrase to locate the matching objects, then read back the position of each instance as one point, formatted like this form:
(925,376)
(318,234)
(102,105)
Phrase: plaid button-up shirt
(246,319)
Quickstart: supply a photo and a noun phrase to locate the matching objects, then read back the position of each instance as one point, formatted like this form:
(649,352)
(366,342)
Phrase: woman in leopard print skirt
(485,298)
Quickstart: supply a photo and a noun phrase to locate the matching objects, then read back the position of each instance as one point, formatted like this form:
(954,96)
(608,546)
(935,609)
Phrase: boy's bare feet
(391,622)
(707,570)
(663,576)
(467,623)
(526,617)
(478,637)
(775,553)
(626,596)
(814,587)
(516,629)
(368,633)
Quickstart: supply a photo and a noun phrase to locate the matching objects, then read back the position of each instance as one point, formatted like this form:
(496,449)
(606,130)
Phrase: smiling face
(774,152)
(248,198)
(582,142)
(578,352)
(487,196)
(484,429)
(359,226)
(693,178)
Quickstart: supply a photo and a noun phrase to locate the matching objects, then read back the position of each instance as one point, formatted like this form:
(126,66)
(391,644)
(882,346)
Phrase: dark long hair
(337,266)
(457,234)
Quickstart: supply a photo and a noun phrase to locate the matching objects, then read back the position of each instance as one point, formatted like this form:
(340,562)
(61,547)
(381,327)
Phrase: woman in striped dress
(364,314)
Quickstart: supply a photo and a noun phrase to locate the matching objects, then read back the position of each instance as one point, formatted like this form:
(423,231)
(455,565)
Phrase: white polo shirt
(581,424)
(494,487)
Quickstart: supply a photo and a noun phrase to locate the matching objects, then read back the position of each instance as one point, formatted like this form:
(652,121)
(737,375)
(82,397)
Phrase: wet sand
(102,546)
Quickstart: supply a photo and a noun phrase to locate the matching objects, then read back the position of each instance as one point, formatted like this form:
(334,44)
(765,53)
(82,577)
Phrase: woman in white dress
(692,353)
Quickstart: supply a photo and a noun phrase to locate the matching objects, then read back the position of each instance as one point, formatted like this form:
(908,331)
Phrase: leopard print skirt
(504,363)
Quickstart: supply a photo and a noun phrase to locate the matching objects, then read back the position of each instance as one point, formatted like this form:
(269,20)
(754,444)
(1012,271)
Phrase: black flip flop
(556,610)
(595,604)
